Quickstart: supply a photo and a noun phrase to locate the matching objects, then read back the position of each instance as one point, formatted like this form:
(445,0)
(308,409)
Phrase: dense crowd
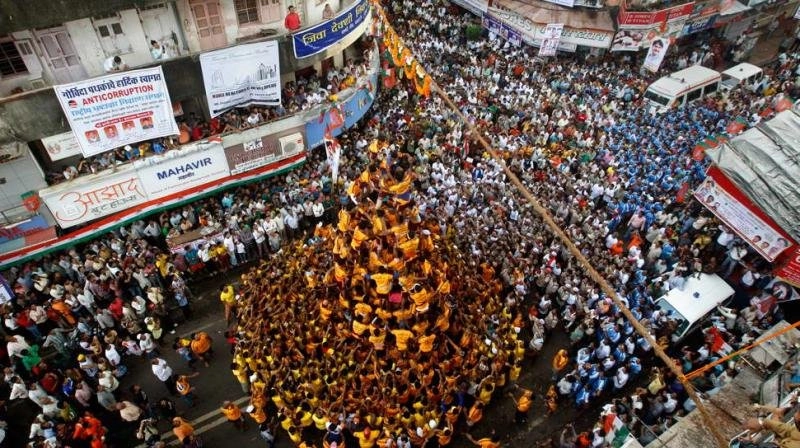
(421,204)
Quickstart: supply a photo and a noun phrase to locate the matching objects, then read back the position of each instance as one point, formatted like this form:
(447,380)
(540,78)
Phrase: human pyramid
(377,323)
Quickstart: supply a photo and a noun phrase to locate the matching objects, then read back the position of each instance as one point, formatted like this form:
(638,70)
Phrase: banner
(782,291)
(242,75)
(333,154)
(61,146)
(353,108)
(552,35)
(261,151)
(319,37)
(499,28)
(718,194)
(90,197)
(189,167)
(627,18)
(697,25)
(790,271)
(655,55)
(117,109)
(533,33)
(30,226)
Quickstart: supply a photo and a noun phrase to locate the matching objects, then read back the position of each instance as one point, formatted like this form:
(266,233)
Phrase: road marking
(199,430)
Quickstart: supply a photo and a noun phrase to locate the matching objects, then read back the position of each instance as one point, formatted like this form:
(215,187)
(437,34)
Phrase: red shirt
(292,21)
(197,133)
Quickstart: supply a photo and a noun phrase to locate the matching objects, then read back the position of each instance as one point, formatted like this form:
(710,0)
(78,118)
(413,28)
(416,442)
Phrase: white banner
(118,109)
(94,196)
(533,33)
(61,146)
(180,170)
(658,48)
(551,38)
(242,75)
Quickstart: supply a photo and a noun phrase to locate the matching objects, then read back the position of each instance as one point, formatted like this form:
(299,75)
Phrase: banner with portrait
(117,109)
(720,196)
(61,146)
(242,75)
(550,39)
(655,55)
(322,36)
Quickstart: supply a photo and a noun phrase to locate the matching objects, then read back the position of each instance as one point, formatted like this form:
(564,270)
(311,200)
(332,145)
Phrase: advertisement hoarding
(117,109)
(94,196)
(241,75)
(636,19)
(61,146)
(658,48)
(259,151)
(174,171)
(477,7)
(352,108)
(319,37)
(724,200)
(534,33)
(552,36)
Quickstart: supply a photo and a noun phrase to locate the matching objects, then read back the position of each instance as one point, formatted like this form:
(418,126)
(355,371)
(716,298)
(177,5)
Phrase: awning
(764,162)
(735,8)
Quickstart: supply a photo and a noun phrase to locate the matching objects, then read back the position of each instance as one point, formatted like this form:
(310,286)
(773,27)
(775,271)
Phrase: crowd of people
(417,286)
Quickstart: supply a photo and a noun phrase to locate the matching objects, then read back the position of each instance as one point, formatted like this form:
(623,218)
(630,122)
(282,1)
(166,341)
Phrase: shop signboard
(174,171)
(259,151)
(94,196)
(117,109)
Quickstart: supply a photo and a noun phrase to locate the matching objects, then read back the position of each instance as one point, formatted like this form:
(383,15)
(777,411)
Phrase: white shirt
(162,371)
(16,346)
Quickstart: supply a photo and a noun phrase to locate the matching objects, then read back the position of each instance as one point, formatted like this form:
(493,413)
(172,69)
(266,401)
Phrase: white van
(744,74)
(681,88)
(692,304)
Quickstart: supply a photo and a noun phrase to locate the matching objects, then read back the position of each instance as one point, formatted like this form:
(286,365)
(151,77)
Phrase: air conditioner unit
(37,84)
(291,144)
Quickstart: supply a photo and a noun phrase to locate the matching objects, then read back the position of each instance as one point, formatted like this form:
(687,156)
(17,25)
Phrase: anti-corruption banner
(241,75)
(90,197)
(117,109)
(551,38)
(730,205)
(175,171)
(790,270)
(655,55)
(317,38)
(61,146)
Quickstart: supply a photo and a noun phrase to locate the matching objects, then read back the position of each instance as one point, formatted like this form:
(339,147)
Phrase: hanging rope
(722,442)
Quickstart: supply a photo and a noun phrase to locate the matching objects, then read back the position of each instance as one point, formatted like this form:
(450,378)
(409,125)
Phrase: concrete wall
(21,175)
(87,45)
(18,15)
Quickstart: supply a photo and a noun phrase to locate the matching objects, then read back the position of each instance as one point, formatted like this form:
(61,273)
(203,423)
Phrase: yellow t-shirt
(383,282)
(402,337)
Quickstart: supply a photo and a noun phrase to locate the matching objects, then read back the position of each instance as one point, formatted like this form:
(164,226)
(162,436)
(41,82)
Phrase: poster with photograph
(551,38)
(117,109)
(61,146)
(655,55)
(242,75)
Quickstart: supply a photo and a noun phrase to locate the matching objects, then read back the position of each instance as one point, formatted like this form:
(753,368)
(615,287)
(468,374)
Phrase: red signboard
(790,271)
(644,18)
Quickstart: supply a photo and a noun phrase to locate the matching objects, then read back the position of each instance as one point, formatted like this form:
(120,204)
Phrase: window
(246,11)
(11,62)
(711,88)
(652,96)
(112,36)
(694,94)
